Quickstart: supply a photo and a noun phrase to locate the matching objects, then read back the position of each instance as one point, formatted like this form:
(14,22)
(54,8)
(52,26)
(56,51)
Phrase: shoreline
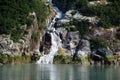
(66,59)
(58,59)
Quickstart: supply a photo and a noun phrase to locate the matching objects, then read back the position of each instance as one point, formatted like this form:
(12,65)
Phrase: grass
(18,59)
(111,58)
(67,59)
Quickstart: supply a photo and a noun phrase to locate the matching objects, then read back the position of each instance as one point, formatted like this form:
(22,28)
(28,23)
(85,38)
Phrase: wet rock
(47,38)
(62,33)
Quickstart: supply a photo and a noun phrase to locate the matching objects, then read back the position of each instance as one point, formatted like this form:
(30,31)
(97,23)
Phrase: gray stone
(3,44)
(83,48)
(72,40)
(8,53)
(21,41)
(36,52)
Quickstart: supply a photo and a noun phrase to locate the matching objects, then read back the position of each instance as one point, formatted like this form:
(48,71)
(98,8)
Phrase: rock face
(31,41)
(62,31)
(101,55)
(83,48)
(8,47)
(71,42)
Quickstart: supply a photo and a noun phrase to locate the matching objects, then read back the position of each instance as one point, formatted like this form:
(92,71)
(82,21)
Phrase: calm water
(58,72)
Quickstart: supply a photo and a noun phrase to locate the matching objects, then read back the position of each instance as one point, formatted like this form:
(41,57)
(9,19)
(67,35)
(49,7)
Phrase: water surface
(58,72)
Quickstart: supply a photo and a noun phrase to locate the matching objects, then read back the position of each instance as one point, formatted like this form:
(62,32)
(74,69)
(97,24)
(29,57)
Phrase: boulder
(72,41)
(101,55)
(83,48)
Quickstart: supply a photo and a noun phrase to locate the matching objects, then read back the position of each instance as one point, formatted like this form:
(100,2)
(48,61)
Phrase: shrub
(82,27)
(109,14)
(15,12)
(16,34)
(29,21)
(61,51)
(97,43)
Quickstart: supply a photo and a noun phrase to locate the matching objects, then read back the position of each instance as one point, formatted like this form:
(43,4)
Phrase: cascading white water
(56,43)
(55,40)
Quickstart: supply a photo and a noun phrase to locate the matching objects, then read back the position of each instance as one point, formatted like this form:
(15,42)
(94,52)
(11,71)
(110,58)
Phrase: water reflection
(58,72)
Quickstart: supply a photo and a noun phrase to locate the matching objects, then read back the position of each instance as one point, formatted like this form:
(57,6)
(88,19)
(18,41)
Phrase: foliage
(14,13)
(16,34)
(97,43)
(67,59)
(62,59)
(29,21)
(82,27)
(109,14)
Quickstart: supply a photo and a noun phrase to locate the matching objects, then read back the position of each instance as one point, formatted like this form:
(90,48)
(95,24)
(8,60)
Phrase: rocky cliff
(81,33)
(84,34)
(30,42)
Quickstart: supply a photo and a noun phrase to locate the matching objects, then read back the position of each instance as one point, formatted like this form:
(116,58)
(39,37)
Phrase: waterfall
(56,44)
(55,40)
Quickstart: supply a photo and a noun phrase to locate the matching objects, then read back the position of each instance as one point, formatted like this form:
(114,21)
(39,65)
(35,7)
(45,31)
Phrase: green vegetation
(67,59)
(109,14)
(62,59)
(111,58)
(97,43)
(82,27)
(14,13)
(18,59)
